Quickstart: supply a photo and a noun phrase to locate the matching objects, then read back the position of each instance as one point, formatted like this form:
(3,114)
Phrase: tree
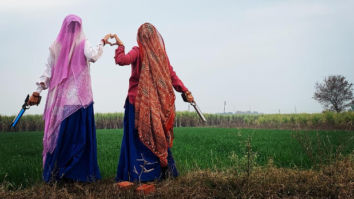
(335,93)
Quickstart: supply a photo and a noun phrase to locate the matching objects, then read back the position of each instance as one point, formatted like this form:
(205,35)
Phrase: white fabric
(92,54)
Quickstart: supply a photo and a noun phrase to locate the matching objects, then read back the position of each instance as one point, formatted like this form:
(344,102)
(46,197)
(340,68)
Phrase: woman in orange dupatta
(149,109)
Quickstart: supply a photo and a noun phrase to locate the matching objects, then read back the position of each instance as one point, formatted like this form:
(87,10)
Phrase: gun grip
(39,100)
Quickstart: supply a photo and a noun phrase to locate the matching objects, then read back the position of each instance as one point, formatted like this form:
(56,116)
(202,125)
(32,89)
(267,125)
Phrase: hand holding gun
(35,99)
(188,97)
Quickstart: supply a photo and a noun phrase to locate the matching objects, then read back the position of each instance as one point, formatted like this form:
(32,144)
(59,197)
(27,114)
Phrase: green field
(194,148)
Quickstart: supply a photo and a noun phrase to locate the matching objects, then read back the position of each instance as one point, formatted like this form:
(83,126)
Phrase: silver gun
(184,97)
(198,111)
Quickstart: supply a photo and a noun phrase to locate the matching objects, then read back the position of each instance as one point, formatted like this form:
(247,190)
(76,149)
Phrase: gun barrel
(15,121)
(198,111)
(22,111)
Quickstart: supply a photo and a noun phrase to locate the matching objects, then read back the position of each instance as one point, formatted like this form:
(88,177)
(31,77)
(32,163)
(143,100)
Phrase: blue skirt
(75,156)
(136,162)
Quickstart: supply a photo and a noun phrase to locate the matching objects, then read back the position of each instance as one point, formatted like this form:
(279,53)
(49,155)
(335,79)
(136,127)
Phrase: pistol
(25,106)
(196,108)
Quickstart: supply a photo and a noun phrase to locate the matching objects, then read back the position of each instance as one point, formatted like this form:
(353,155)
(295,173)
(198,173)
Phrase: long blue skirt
(75,156)
(136,162)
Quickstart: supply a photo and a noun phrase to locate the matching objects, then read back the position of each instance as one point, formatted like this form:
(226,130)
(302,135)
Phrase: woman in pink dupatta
(69,141)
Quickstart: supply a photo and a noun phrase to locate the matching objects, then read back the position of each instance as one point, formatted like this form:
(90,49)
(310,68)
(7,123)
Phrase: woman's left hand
(189,96)
(118,41)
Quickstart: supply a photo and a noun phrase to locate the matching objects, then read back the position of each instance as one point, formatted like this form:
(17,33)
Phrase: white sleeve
(92,53)
(45,77)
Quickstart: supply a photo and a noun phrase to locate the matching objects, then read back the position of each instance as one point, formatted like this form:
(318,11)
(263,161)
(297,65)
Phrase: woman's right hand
(35,99)
(105,39)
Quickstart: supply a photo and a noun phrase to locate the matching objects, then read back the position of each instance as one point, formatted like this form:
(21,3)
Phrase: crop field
(214,149)
(323,121)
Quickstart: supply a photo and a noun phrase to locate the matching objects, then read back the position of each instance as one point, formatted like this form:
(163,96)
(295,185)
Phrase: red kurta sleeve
(176,82)
(123,59)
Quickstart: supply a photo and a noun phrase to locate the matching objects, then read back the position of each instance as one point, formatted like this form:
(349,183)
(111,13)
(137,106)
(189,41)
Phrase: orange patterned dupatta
(155,100)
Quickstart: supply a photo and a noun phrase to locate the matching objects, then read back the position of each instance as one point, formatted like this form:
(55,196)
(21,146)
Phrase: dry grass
(331,181)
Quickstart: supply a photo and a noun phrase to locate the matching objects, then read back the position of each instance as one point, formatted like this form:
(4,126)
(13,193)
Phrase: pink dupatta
(70,83)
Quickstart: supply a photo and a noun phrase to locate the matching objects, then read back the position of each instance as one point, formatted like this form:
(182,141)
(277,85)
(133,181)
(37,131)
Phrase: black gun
(25,106)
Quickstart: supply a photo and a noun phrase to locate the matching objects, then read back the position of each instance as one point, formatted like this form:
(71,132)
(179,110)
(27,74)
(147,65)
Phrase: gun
(196,108)
(25,106)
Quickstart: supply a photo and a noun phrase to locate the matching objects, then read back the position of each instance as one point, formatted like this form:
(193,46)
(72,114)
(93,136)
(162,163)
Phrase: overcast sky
(261,56)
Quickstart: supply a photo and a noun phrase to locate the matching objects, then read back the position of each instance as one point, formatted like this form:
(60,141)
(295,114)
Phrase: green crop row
(326,120)
(193,149)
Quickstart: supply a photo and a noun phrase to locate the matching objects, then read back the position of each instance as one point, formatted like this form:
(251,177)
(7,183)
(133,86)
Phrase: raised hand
(105,39)
(118,41)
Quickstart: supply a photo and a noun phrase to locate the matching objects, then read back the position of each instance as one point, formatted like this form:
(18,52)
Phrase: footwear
(146,189)
(164,173)
(124,184)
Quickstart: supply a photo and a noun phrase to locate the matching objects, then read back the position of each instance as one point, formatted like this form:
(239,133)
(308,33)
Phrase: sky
(256,55)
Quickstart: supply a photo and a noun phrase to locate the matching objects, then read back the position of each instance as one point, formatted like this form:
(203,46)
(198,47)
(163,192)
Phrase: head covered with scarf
(155,100)
(70,82)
